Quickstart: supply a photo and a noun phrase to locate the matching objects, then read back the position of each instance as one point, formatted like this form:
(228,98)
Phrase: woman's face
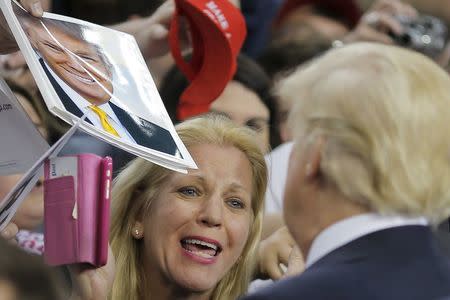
(198,226)
(245,108)
(71,69)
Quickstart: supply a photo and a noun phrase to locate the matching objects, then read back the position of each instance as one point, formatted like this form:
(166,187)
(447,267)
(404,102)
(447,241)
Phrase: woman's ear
(138,230)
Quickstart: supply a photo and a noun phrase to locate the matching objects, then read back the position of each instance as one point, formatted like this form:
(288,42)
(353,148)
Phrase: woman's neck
(178,295)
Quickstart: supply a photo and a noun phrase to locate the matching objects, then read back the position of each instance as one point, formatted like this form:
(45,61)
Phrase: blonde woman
(187,236)
(369,175)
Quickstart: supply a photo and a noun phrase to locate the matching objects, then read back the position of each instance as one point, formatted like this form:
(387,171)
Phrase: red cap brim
(217,36)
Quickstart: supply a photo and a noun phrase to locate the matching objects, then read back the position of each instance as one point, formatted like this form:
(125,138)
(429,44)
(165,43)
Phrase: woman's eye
(236,203)
(189,191)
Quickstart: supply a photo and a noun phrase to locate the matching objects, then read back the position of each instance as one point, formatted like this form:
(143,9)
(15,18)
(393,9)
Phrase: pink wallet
(77,192)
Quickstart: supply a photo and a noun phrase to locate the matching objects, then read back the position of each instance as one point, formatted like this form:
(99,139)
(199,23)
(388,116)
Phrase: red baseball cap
(218,31)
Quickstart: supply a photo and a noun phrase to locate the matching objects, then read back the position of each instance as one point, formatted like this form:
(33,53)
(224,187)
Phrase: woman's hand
(93,283)
(296,263)
(276,250)
(9,232)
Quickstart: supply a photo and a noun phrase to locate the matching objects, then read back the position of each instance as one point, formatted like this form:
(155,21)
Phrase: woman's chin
(198,285)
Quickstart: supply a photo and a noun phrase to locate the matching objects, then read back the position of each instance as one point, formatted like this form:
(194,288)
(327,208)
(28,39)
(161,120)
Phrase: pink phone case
(61,230)
(84,238)
(104,211)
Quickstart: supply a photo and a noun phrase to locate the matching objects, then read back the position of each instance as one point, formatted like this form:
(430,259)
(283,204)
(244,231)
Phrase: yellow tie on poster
(104,120)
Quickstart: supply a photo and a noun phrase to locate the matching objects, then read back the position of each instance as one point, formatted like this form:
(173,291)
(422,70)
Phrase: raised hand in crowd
(91,283)
(151,32)
(380,22)
(277,250)
(376,24)
(10,231)
(35,7)
(7,42)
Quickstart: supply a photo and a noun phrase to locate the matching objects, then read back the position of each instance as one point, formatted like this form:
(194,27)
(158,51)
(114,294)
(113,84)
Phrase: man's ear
(314,156)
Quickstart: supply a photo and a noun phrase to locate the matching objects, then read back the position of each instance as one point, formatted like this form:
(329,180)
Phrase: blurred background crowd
(282,36)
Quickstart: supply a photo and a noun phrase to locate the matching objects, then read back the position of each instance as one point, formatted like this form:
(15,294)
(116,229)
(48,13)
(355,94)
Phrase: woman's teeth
(200,248)
(199,242)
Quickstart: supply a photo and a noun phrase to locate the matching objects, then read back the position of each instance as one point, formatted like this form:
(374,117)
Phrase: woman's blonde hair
(138,185)
(384,112)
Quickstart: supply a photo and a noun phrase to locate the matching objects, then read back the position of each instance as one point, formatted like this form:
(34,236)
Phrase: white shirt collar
(347,230)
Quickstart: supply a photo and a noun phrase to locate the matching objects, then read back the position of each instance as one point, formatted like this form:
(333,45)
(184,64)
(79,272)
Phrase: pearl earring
(137,233)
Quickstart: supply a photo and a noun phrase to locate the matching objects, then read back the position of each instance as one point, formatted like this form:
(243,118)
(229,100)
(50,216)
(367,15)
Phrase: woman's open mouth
(200,247)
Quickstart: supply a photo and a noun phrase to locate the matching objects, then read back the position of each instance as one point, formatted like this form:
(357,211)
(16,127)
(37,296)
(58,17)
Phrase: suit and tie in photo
(82,75)
(143,132)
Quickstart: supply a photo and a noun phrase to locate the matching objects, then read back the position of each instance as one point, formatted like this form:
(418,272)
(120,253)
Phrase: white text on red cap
(216,14)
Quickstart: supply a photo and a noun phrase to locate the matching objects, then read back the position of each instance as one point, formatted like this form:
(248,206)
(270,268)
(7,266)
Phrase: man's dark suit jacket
(400,263)
(145,133)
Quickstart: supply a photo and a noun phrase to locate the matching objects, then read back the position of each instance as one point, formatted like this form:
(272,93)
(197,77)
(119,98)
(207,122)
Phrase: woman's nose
(211,212)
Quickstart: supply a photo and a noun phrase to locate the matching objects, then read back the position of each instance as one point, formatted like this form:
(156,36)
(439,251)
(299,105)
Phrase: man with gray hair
(369,176)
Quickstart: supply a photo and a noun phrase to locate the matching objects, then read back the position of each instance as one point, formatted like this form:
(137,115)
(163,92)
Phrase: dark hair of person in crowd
(248,73)
(280,58)
(106,12)
(25,277)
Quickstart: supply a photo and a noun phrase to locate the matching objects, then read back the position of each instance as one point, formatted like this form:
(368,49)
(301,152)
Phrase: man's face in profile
(69,68)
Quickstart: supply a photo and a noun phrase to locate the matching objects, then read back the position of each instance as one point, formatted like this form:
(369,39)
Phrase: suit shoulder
(313,284)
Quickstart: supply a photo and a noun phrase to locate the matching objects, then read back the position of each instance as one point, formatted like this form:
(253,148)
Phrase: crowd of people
(323,167)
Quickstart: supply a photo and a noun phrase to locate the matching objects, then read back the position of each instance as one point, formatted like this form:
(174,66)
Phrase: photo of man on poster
(83,77)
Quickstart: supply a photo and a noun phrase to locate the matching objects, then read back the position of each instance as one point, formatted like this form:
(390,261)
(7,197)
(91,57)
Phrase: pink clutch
(76,209)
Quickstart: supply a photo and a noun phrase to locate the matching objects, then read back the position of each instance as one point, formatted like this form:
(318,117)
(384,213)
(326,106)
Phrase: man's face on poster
(70,69)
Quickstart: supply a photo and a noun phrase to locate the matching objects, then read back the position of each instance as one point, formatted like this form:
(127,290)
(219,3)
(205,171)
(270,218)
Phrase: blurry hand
(30,213)
(273,251)
(10,231)
(296,263)
(155,36)
(33,6)
(93,283)
(151,33)
(376,24)
(12,62)
(7,42)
